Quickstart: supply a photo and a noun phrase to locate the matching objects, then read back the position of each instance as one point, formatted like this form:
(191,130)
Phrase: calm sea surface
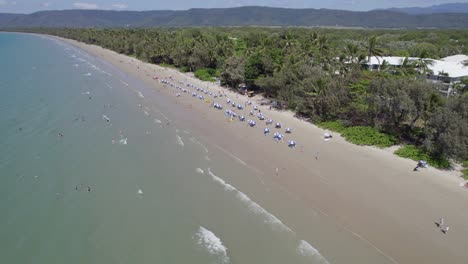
(93,170)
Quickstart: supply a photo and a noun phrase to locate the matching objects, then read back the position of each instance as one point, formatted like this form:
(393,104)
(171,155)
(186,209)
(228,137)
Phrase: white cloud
(3,2)
(120,6)
(81,5)
(46,4)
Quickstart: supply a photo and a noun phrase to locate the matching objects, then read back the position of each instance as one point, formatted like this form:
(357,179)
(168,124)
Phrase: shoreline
(347,183)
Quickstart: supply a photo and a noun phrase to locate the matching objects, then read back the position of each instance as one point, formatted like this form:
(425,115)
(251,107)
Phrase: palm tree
(423,62)
(373,50)
(323,47)
(288,42)
(406,67)
(351,51)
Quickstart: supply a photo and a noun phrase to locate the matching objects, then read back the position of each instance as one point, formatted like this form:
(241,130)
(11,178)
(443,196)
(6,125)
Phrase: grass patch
(206,74)
(336,126)
(465,164)
(465,174)
(363,135)
(416,154)
(167,65)
(184,69)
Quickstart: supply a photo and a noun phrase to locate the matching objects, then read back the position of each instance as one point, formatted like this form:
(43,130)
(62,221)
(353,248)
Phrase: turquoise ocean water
(93,170)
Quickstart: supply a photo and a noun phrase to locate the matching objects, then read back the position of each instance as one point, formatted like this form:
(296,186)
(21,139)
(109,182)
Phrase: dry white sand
(368,192)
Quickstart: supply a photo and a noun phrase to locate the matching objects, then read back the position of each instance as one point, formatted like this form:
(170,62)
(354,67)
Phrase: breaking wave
(307,250)
(211,243)
(253,206)
(179,141)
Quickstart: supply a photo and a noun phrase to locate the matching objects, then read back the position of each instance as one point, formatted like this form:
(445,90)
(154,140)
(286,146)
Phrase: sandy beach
(367,193)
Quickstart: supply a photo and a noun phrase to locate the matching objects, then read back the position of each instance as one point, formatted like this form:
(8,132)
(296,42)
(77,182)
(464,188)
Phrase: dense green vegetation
(206,74)
(336,126)
(416,154)
(465,170)
(360,135)
(363,135)
(319,74)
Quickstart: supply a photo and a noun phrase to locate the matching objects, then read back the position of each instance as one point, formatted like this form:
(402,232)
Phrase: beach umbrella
(266,131)
(241,118)
(269,122)
(278,125)
(288,130)
(291,143)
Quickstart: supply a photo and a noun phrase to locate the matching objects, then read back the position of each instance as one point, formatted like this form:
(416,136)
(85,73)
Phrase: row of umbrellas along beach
(200,93)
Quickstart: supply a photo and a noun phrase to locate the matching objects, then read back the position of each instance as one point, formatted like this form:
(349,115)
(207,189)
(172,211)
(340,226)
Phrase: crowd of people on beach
(233,110)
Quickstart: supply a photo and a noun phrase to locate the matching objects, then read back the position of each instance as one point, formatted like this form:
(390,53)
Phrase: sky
(29,6)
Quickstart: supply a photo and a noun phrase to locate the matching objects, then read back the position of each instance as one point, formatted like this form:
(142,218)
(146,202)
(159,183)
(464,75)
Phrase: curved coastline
(366,191)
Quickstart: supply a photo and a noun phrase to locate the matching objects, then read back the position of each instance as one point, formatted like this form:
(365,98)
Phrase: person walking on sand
(445,230)
(441,222)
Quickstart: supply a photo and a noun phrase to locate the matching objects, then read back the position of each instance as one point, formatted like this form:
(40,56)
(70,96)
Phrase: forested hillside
(239,16)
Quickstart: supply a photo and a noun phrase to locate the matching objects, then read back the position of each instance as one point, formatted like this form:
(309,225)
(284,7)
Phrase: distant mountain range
(239,16)
(435,9)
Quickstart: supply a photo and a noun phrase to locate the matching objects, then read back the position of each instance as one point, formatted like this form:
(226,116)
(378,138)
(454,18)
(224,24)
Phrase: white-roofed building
(449,69)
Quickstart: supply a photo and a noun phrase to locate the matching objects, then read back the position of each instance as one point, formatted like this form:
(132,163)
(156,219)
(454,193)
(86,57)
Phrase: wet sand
(367,193)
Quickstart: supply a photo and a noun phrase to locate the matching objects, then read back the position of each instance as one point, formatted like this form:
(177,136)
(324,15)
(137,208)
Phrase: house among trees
(449,70)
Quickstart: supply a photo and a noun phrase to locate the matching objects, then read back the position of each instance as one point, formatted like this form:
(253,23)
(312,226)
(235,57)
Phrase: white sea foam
(194,141)
(232,156)
(157,121)
(146,113)
(106,118)
(200,171)
(126,84)
(253,206)
(307,250)
(88,74)
(140,191)
(211,243)
(140,94)
(179,141)
(123,141)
